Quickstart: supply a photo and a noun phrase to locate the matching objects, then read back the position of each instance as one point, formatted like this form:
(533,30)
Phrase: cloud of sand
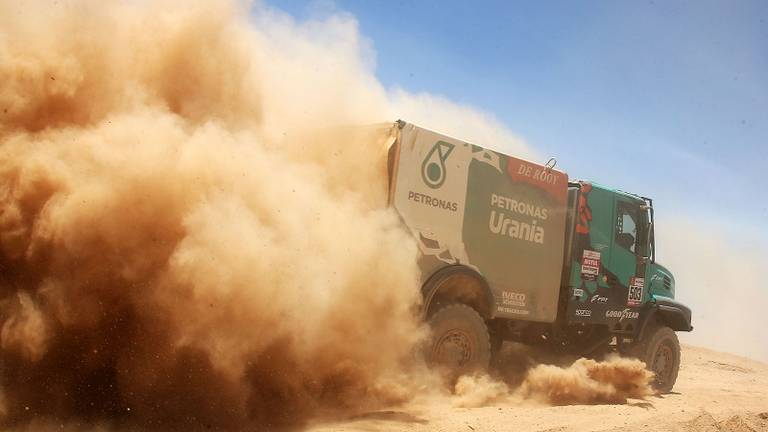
(464,122)
(173,225)
(171,228)
(584,381)
(588,381)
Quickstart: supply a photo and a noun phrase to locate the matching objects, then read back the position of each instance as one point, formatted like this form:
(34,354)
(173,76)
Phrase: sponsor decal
(583,313)
(510,298)
(597,298)
(590,265)
(433,171)
(551,181)
(512,310)
(578,292)
(502,224)
(635,293)
(432,201)
(520,207)
(622,314)
(507,223)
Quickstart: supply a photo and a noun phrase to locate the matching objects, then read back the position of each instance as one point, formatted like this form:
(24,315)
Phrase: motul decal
(635,293)
(590,265)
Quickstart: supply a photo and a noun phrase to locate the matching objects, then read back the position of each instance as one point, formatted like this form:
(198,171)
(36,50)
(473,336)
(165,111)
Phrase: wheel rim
(453,349)
(662,365)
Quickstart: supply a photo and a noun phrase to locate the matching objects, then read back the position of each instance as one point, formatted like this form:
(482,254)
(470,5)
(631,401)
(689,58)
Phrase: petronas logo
(433,168)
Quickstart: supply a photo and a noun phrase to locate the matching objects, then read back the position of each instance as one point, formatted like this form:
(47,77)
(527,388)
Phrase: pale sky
(665,99)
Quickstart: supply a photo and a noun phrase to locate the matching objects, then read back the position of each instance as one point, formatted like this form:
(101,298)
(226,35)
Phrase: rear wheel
(661,353)
(460,340)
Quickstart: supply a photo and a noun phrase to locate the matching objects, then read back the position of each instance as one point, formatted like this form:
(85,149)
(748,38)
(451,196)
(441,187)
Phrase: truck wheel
(661,353)
(460,340)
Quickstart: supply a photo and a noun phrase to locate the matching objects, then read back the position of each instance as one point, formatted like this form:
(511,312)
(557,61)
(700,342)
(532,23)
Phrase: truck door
(606,278)
(627,266)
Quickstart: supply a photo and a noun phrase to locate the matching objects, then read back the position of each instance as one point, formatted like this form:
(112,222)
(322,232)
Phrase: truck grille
(667,283)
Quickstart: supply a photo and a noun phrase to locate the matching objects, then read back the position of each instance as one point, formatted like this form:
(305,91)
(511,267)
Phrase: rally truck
(511,250)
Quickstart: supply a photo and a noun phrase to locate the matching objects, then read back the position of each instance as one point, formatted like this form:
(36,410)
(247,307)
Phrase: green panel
(602,270)
(600,203)
(660,280)
(623,263)
(519,253)
(601,231)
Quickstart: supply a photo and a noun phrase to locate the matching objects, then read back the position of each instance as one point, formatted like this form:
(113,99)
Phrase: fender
(437,279)
(669,311)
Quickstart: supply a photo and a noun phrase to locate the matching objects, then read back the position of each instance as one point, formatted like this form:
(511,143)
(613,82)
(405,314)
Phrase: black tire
(661,353)
(460,340)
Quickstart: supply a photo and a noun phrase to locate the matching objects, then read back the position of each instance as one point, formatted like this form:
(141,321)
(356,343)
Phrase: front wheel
(661,353)
(460,340)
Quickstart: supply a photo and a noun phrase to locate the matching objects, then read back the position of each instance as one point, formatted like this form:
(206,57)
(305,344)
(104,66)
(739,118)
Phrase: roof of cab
(622,193)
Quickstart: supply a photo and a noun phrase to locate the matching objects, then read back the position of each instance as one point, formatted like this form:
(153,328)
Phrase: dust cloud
(177,248)
(191,236)
(587,381)
(557,382)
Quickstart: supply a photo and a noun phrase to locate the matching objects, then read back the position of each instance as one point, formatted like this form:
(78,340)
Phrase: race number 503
(635,294)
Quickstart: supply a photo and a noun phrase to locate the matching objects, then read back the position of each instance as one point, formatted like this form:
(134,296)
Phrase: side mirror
(650,248)
(648,239)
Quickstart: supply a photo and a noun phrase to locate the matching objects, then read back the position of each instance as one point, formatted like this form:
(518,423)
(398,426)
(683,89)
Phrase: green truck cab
(512,250)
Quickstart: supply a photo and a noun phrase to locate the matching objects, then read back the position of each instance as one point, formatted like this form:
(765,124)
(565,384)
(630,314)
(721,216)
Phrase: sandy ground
(714,392)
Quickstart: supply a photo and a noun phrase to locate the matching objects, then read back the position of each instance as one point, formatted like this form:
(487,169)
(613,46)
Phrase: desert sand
(715,392)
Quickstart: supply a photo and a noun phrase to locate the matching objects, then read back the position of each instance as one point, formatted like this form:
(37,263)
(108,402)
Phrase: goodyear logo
(433,168)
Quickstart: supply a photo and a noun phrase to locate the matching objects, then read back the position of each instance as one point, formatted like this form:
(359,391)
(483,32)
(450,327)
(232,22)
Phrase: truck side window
(626,226)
